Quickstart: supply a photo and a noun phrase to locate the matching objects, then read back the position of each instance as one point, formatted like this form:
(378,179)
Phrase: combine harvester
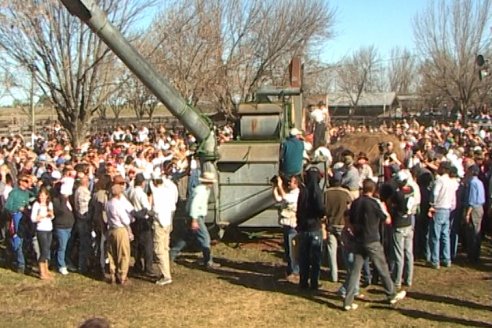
(242,196)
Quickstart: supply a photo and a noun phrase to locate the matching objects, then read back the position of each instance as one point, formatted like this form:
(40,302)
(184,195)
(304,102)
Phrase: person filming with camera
(287,196)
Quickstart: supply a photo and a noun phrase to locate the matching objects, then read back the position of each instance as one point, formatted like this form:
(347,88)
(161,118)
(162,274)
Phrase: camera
(274,180)
(382,146)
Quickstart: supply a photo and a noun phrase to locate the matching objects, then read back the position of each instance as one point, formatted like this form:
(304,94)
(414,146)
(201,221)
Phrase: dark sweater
(64,218)
(310,203)
(365,216)
(399,207)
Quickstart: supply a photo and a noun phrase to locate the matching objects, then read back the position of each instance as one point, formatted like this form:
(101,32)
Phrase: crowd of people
(383,213)
(95,207)
(91,209)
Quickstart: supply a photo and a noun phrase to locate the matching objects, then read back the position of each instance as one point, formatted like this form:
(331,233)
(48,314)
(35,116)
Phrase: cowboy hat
(362,155)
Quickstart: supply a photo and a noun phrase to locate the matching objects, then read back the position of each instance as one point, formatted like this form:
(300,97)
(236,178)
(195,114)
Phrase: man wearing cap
(291,154)
(197,207)
(351,177)
(144,245)
(401,204)
(165,197)
(16,203)
(288,200)
(365,170)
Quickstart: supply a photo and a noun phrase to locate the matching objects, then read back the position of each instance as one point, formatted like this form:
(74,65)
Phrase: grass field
(247,291)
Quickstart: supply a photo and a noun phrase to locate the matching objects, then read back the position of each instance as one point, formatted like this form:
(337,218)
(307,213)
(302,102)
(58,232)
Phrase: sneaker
(351,307)
(398,297)
(446,264)
(435,266)
(293,278)
(212,265)
(360,297)
(63,271)
(72,268)
(163,281)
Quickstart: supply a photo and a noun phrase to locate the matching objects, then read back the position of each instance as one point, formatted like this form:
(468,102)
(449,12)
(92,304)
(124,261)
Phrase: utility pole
(32,68)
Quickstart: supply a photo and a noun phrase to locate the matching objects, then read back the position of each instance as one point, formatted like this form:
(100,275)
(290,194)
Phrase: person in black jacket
(310,210)
(63,224)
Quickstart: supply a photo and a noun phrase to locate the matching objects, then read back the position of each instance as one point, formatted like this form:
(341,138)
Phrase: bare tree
(356,72)
(213,49)
(402,71)
(73,64)
(450,34)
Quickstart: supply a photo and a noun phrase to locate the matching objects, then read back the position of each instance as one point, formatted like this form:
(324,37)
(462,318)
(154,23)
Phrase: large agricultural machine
(244,168)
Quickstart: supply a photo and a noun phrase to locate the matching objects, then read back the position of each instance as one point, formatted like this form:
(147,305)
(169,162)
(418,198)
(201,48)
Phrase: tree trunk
(77,131)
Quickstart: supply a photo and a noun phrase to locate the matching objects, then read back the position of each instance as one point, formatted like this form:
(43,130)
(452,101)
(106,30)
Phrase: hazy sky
(382,23)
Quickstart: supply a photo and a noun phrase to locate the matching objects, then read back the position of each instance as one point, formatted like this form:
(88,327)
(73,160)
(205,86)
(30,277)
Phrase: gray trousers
(376,253)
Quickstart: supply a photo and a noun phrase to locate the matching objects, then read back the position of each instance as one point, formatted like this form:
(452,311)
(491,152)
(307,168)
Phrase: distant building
(369,104)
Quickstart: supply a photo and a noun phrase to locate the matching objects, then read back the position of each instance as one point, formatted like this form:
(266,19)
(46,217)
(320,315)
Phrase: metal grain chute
(243,194)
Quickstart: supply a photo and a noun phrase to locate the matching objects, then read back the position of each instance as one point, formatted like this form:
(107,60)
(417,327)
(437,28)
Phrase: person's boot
(42,271)
(48,272)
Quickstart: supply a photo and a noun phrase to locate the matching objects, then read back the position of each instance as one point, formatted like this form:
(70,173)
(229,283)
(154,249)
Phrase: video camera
(382,146)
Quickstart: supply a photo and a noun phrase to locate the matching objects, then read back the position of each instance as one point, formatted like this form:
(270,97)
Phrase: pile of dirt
(367,143)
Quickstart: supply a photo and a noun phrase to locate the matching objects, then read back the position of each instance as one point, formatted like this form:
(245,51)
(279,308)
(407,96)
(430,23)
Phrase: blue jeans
(289,234)
(63,235)
(203,238)
(17,241)
(310,258)
(402,251)
(44,240)
(439,237)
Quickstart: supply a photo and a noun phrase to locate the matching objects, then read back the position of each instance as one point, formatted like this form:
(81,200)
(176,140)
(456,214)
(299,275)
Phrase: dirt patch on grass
(367,143)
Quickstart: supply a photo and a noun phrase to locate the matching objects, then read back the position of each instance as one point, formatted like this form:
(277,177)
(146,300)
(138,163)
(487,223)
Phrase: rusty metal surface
(260,127)
(249,152)
(259,109)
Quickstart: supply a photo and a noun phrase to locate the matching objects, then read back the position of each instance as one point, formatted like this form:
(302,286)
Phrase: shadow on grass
(442,319)
(265,277)
(448,300)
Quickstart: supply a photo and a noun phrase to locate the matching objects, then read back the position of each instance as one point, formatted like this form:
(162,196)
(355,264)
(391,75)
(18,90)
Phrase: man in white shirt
(288,220)
(165,197)
(444,200)
(119,212)
(144,247)
(319,127)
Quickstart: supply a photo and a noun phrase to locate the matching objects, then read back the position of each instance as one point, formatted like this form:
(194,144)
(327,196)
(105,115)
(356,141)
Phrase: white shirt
(165,198)
(289,203)
(317,115)
(118,211)
(445,192)
(46,223)
(139,199)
